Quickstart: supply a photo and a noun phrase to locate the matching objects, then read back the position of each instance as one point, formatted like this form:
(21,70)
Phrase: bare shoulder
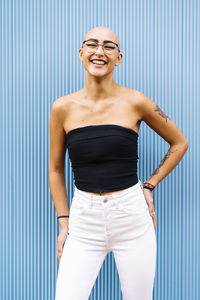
(146,106)
(138,98)
(133,95)
(61,102)
(152,114)
(61,106)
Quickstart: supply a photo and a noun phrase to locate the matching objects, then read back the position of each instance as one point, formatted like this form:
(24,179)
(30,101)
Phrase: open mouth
(98,62)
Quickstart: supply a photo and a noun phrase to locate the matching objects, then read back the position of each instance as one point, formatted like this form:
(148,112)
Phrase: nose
(100,49)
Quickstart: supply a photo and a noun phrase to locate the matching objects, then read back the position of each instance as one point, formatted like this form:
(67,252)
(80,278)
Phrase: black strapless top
(104,157)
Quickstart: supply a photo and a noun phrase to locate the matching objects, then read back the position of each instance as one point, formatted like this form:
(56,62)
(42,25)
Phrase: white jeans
(98,224)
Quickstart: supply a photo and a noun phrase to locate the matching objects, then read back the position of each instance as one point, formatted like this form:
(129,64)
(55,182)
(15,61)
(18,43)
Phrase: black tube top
(104,157)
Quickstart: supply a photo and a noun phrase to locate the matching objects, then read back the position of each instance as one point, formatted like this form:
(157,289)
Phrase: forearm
(169,162)
(59,195)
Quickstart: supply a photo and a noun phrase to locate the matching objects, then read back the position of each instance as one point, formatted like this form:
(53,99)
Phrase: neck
(98,88)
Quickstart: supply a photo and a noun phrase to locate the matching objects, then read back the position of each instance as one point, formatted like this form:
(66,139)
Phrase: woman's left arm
(155,118)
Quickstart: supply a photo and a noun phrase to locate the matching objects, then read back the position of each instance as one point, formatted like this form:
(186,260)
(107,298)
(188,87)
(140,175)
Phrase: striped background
(39,63)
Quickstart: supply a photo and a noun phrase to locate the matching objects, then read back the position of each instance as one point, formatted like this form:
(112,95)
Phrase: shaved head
(103,33)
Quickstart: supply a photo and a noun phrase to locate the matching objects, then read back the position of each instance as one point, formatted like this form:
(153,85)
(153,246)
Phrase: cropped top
(103,157)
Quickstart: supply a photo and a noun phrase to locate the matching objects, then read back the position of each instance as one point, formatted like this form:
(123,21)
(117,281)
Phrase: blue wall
(39,63)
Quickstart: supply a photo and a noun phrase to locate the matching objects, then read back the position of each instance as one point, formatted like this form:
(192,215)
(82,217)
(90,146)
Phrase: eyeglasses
(91,46)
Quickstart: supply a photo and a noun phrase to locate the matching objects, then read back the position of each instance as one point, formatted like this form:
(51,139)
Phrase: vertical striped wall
(39,63)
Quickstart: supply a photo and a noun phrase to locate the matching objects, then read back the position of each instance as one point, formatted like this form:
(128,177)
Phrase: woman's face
(111,56)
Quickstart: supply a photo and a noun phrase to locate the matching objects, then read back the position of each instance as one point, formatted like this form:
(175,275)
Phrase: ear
(119,59)
(80,54)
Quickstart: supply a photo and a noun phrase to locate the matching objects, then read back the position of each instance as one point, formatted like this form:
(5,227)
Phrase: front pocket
(78,206)
(134,205)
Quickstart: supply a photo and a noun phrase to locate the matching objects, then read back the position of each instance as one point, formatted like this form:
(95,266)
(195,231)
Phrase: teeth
(98,62)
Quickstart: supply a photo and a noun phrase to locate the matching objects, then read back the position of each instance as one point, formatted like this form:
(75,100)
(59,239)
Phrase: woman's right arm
(57,163)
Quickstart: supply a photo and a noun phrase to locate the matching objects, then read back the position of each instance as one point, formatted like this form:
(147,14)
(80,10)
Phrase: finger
(151,209)
(59,249)
(59,255)
(152,213)
(154,220)
(59,252)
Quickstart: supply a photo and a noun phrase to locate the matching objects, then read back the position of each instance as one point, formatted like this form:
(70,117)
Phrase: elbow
(54,169)
(185,144)
(182,145)
(185,147)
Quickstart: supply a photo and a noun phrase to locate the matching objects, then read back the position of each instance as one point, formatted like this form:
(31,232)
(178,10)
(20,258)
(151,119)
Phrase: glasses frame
(100,44)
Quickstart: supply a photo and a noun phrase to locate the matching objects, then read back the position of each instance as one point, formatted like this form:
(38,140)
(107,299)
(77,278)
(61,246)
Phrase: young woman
(111,209)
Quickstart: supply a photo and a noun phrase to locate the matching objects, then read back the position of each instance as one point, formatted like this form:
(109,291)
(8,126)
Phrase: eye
(92,45)
(109,47)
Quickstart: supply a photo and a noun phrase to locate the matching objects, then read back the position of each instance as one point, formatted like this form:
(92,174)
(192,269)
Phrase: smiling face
(98,62)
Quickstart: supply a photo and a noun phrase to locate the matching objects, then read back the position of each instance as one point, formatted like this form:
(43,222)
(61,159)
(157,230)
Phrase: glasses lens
(109,47)
(92,47)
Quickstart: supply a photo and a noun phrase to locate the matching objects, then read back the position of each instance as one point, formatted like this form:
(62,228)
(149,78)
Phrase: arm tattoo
(162,162)
(161,113)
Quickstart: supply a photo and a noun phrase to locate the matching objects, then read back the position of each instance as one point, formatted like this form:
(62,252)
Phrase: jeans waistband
(118,195)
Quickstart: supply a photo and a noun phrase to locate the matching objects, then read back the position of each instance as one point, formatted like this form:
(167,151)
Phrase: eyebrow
(106,41)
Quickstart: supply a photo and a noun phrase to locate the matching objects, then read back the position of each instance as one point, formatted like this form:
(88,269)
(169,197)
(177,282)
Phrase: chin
(97,74)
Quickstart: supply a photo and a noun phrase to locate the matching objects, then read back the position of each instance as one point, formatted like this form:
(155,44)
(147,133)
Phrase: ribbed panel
(39,63)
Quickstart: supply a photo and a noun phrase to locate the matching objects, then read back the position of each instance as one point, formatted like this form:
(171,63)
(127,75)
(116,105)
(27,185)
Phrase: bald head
(103,33)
